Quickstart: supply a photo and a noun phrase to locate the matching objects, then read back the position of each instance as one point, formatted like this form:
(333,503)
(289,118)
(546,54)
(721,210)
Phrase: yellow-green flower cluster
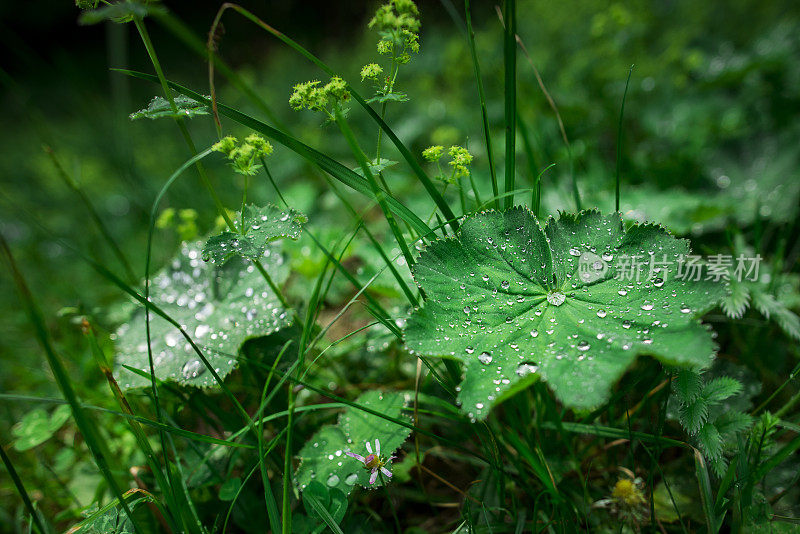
(243,158)
(371,71)
(627,493)
(186,226)
(396,15)
(460,160)
(406,41)
(309,95)
(397,23)
(433,153)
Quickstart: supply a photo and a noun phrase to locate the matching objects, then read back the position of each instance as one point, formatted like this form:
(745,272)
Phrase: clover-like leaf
(219,307)
(323,457)
(262,225)
(37,426)
(159,107)
(574,304)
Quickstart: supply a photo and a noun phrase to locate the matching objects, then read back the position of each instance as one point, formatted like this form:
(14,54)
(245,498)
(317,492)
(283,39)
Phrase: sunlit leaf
(573,304)
(219,307)
(159,107)
(262,224)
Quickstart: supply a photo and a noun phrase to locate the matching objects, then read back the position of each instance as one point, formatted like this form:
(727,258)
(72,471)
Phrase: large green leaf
(263,224)
(219,307)
(323,456)
(513,302)
(111,519)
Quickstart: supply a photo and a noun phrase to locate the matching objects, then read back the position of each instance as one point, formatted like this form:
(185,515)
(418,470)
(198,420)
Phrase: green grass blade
(531,160)
(180,30)
(706,496)
(510,76)
(487,136)
(23,493)
(93,214)
(324,514)
(380,194)
(136,429)
(85,424)
(426,182)
(619,136)
(326,163)
(188,434)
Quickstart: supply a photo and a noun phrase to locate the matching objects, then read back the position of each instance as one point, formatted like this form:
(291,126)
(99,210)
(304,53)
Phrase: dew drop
(333,480)
(526,368)
(601,313)
(505,284)
(626,324)
(556,298)
(192,369)
(485,358)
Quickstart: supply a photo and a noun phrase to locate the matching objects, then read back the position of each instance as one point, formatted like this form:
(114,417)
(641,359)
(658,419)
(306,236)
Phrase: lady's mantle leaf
(574,304)
(323,456)
(262,225)
(220,308)
(159,107)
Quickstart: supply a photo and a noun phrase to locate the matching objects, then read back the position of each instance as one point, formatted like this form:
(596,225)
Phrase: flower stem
(391,503)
